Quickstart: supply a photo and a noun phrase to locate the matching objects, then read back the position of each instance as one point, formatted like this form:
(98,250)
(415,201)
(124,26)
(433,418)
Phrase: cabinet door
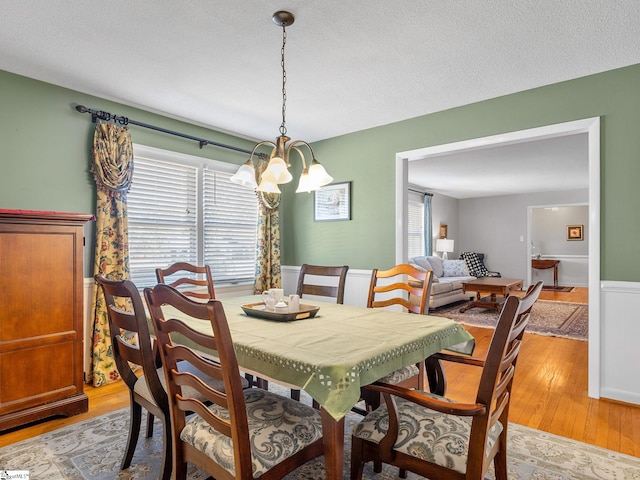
(40,321)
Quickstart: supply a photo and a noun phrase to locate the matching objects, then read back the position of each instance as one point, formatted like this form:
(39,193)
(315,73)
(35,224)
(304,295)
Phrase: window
(185,208)
(415,230)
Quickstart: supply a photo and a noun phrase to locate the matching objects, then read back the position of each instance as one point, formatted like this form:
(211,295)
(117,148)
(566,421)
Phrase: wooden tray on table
(259,310)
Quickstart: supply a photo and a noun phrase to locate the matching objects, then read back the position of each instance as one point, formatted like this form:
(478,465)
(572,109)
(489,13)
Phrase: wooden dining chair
(408,287)
(314,286)
(415,430)
(310,284)
(133,350)
(243,434)
(434,369)
(189,279)
(132,346)
(190,284)
(396,289)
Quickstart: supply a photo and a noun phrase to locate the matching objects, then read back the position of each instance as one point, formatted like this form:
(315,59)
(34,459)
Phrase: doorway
(591,127)
(548,239)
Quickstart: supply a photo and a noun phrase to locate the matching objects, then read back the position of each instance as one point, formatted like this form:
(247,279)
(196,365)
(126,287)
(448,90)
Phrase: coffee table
(498,289)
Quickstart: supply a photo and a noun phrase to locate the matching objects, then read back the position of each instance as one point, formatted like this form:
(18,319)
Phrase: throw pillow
(423,265)
(436,264)
(455,268)
(474,264)
(421,261)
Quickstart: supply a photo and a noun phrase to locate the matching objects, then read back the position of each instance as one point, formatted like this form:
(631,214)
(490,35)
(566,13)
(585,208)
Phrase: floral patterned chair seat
(426,434)
(435,437)
(400,375)
(286,425)
(242,433)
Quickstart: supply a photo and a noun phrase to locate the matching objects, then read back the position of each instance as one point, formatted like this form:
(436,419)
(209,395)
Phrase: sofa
(448,277)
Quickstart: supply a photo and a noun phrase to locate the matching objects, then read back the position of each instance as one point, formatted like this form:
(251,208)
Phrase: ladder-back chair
(226,438)
(434,369)
(413,430)
(310,286)
(132,346)
(307,286)
(414,297)
(188,279)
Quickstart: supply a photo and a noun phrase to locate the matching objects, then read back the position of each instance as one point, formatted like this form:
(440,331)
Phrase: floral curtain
(112,169)
(268,262)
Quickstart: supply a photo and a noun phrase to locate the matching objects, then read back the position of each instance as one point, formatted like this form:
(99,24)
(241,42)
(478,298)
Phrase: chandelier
(277,171)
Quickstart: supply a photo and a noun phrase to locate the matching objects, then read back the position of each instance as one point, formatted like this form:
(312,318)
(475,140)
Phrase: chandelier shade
(246,175)
(277,172)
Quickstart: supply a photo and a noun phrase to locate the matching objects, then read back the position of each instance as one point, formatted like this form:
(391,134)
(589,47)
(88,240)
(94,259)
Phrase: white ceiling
(350,65)
(541,165)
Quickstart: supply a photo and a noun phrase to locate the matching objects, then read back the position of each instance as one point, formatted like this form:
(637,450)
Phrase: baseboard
(623,396)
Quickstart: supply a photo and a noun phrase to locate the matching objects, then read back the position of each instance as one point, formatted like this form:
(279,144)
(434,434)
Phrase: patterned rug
(92,450)
(558,319)
(552,288)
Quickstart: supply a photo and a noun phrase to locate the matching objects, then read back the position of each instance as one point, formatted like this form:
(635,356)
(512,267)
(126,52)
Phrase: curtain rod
(420,192)
(106,116)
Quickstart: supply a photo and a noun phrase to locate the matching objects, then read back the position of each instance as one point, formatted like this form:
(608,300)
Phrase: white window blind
(230,219)
(189,211)
(415,228)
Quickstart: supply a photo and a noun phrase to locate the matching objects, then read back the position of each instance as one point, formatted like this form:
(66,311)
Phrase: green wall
(45,152)
(45,147)
(367,159)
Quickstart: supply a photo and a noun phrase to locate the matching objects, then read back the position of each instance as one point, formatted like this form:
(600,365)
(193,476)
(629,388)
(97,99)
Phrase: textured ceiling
(551,164)
(350,65)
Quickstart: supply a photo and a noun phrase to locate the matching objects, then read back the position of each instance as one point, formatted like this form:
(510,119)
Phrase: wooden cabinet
(41,316)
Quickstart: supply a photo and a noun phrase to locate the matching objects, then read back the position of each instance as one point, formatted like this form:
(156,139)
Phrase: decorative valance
(112,165)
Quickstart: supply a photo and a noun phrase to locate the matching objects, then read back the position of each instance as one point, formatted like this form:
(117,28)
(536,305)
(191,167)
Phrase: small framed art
(575,232)
(332,203)
(444,230)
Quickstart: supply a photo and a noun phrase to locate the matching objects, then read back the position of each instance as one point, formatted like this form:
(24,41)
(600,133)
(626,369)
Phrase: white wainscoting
(356,289)
(88,325)
(221,293)
(620,341)
(619,327)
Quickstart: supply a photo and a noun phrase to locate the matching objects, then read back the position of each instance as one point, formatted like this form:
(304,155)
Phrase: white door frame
(590,126)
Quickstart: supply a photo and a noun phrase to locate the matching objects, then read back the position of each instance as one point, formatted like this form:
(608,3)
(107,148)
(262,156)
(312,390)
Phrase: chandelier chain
(283,128)
(313,175)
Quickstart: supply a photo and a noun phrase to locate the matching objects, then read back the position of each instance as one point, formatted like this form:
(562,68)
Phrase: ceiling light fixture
(277,171)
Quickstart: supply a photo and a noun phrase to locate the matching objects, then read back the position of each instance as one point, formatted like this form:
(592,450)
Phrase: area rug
(92,450)
(553,288)
(558,319)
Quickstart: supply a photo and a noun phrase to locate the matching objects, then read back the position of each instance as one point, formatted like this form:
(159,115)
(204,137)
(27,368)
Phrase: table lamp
(444,245)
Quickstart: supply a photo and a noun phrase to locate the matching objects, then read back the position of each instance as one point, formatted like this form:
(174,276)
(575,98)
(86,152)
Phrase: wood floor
(577,295)
(550,393)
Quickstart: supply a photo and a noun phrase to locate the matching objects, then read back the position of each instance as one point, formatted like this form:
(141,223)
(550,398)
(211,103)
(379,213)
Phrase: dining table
(334,353)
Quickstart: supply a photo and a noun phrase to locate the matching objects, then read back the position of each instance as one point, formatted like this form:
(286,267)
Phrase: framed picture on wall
(444,230)
(332,203)
(575,232)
